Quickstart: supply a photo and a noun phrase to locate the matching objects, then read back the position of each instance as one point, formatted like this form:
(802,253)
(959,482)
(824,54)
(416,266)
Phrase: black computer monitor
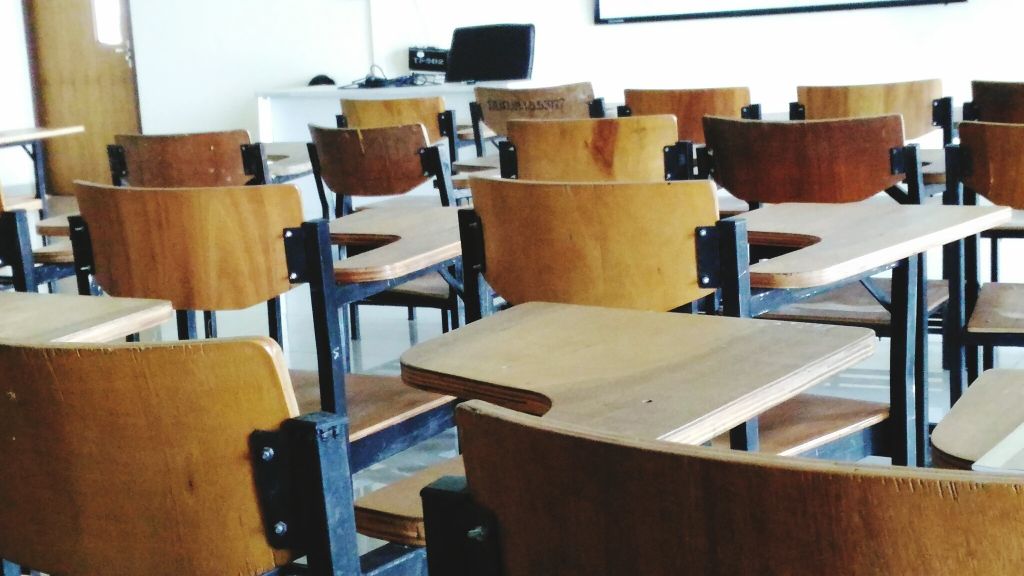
(493,52)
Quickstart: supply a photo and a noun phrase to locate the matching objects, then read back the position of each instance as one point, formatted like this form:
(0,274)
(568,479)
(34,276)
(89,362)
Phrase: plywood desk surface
(839,241)
(676,377)
(409,239)
(27,135)
(490,162)
(29,317)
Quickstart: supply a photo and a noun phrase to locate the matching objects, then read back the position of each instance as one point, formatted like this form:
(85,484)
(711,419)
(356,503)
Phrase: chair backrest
(161,161)
(811,161)
(588,503)
(912,100)
(623,245)
(200,248)
(998,101)
(134,459)
(370,162)
(599,149)
(398,112)
(689,106)
(491,52)
(499,105)
(994,155)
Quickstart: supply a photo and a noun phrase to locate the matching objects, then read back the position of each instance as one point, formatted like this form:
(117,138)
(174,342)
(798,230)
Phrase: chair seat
(54,253)
(809,421)
(933,167)
(54,226)
(465,132)
(394,513)
(998,309)
(853,305)
(991,408)
(374,402)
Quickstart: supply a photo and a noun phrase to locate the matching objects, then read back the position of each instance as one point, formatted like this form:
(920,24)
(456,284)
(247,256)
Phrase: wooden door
(79,80)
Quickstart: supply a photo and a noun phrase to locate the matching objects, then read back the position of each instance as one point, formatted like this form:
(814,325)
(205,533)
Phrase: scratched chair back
(912,100)
(623,245)
(812,161)
(585,502)
(206,159)
(200,248)
(998,101)
(399,112)
(689,106)
(134,459)
(370,162)
(499,105)
(593,150)
(994,158)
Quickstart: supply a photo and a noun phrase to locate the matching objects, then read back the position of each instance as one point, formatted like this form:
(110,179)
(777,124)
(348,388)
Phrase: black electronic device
(494,52)
(425,59)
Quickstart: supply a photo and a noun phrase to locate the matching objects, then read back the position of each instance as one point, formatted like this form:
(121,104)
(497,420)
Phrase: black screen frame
(765,11)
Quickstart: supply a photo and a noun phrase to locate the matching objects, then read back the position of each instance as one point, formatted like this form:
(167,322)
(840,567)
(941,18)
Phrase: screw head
(703,232)
(292,276)
(287,233)
(280,528)
(268,454)
(705,280)
(479,534)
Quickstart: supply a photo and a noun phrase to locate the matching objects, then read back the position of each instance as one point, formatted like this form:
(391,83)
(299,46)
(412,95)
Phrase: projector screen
(619,11)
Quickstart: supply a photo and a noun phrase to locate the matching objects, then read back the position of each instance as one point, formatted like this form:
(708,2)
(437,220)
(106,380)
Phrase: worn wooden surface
(374,402)
(991,408)
(676,377)
(999,101)
(395,512)
(200,248)
(499,105)
(853,305)
(593,150)
(995,156)
(59,252)
(397,112)
(30,317)
(689,106)
(204,159)
(838,241)
(998,309)
(490,162)
(370,162)
(912,100)
(809,421)
(134,459)
(814,161)
(570,500)
(540,245)
(407,239)
(29,135)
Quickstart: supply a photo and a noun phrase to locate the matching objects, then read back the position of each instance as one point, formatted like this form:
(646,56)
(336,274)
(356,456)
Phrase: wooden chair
(430,112)
(990,162)
(199,160)
(1001,102)
(168,459)
(584,502)
(689,106)
(495,107)
(831,161)
(386,161)
(223,249)
(590,150)
(920,102)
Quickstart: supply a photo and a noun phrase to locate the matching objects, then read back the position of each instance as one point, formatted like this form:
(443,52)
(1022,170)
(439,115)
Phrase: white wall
(979,39)
(201,62)
(16,94)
